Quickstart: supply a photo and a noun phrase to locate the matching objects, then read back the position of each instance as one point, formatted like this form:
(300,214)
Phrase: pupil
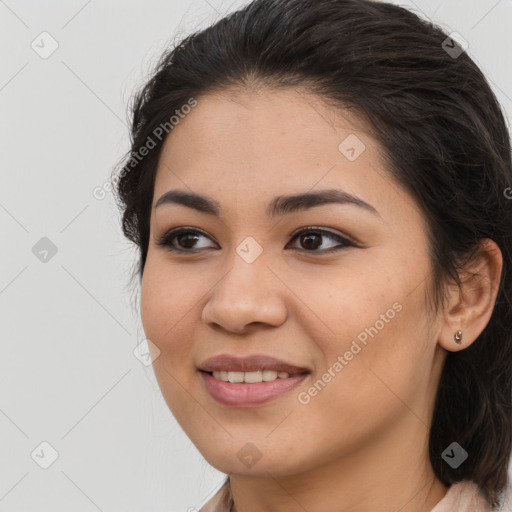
(307,246)
(190,237)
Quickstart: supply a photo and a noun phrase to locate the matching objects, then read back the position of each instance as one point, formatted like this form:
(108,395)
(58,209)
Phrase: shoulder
(463,496)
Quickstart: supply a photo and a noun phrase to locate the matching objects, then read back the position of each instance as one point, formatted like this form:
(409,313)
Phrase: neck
(386,477)
(422,499)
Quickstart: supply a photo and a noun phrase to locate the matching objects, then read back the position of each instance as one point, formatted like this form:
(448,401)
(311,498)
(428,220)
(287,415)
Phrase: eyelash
(167,239)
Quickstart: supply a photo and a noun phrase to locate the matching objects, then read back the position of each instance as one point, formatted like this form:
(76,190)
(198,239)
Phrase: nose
(249,293)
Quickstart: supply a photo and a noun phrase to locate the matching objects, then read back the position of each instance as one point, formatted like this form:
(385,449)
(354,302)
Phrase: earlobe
(469,308)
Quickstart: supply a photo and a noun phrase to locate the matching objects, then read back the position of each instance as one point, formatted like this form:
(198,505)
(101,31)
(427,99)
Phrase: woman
(320,194)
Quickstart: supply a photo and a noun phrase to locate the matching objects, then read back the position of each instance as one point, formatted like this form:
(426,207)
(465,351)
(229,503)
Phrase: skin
(360,444)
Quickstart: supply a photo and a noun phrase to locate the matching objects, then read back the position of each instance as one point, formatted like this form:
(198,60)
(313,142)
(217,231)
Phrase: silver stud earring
(458,337)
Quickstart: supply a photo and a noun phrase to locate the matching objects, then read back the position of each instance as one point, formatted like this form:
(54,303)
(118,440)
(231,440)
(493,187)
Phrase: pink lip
(229,363)
(248,395)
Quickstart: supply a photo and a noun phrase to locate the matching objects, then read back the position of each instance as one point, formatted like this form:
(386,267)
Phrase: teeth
(270,375)
(250,377)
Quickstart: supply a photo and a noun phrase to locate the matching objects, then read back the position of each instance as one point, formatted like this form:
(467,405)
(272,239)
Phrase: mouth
(249,394)
(251,381)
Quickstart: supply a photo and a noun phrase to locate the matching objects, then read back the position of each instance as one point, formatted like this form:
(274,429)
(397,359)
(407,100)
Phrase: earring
(458,337)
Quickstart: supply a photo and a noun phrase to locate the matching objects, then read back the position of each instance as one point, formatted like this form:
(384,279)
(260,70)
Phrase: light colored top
(461,497)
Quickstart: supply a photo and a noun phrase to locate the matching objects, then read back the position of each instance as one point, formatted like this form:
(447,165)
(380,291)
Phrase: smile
(237,392)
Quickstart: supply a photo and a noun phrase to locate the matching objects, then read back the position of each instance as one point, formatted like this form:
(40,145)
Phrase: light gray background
(68,329)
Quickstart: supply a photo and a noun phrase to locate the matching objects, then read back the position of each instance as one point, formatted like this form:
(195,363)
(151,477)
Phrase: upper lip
(229,363)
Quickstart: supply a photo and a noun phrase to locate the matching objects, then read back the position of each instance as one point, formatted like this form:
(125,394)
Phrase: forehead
(285,134)
(245,147)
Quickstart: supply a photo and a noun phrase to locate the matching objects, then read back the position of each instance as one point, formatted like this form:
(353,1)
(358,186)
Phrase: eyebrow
(280,205)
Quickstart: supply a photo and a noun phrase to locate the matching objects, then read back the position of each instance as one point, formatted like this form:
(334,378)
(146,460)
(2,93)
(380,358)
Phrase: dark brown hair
(445,141)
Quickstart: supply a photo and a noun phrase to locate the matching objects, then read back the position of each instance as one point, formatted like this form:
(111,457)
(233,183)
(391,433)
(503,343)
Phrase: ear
(469,308)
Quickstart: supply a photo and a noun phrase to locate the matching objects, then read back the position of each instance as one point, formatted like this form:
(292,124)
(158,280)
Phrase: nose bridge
(247,293)
(249,269)
(247,263)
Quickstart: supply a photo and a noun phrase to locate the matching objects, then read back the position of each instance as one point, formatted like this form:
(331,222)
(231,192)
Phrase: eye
(185,237)
(311,239)
(185,240)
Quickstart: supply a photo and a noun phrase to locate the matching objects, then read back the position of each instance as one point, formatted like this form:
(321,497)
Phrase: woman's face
(352,314)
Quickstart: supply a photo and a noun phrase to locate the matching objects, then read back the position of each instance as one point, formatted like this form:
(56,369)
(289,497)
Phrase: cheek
(376,326)
(364,386)
(347,301)
(166,299)
(167,321)
(153,303)
(160,313)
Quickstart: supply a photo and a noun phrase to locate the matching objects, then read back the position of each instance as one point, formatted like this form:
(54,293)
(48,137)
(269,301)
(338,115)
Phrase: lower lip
(249,395)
